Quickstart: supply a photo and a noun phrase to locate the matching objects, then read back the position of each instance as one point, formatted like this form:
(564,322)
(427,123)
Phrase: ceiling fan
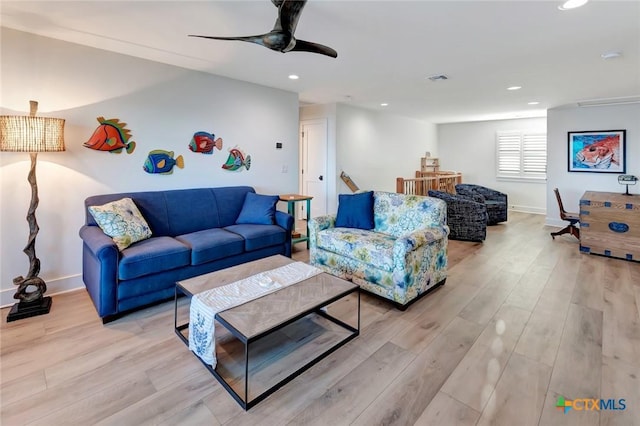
(281,38)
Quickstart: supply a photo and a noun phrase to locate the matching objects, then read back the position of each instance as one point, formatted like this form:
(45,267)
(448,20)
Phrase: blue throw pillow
(355,211)
(258,209)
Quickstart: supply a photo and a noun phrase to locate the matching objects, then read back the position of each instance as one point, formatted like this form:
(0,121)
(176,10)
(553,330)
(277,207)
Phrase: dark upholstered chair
(495,201)
(466,218)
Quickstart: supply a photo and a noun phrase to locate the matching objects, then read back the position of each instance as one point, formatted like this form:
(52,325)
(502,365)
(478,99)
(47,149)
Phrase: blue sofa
(193,233)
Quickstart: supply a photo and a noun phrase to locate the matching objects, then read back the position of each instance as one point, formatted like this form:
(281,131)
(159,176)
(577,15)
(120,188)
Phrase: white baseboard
(527,209)
(55,286)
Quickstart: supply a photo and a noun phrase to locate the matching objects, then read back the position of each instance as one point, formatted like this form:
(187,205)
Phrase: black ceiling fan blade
(281,38)
(308,46)
(288,15)
(258,39)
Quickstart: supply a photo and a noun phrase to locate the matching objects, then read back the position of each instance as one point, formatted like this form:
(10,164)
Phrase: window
(521,154)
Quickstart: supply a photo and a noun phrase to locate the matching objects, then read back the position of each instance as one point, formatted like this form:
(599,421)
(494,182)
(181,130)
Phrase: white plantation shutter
(509,154)
(521,154)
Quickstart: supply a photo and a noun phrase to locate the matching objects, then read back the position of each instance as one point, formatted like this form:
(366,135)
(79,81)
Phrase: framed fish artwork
(598,151)
(237,160)
(204,142)
(112,136)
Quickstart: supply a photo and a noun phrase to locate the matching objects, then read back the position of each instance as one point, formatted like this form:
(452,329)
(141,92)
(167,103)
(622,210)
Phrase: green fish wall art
(162,162)
(237,160)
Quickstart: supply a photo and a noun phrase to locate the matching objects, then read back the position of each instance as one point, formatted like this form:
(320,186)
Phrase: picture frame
(597,151)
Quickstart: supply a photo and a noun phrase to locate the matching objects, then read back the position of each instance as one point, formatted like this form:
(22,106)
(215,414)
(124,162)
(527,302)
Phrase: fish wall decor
(204,142)
(237,160)
(111,135)
(162,162)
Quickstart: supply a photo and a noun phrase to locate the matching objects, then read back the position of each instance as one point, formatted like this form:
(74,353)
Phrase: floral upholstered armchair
(402,257)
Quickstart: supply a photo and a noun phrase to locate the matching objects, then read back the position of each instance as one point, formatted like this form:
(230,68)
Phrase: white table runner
(205,305)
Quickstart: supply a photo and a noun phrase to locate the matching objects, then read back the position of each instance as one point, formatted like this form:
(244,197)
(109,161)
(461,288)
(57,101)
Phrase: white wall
(163,106)
(373,148)
(573,184)
(470,148)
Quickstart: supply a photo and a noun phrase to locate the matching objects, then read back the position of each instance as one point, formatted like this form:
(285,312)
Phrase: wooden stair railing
(425,181)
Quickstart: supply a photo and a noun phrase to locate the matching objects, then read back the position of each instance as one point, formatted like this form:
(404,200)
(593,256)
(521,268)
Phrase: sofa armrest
(99,243)
(415,239)
(100,258)
(319,223)
(493,195)
(284,220)
(470,194)
(465,210)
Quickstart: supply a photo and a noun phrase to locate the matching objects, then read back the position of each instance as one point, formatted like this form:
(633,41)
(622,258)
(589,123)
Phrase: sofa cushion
(230,200)
(258,236)
(151,256)
(400,214)
(355,211)
(122,221)
(191,210)
(258,209)
(372,248)
(212,244)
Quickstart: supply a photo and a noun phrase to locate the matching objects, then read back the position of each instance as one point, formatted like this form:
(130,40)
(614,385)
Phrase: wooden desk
(610,224)
(291,200)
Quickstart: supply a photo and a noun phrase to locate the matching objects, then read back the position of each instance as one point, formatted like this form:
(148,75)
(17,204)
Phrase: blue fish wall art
(162,162)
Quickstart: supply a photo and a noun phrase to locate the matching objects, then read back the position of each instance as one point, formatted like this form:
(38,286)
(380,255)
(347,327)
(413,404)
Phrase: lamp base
(29,309)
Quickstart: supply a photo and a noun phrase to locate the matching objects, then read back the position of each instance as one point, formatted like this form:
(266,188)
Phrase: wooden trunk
(610,225)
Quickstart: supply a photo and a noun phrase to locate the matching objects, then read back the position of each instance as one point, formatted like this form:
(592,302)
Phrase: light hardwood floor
(521,320)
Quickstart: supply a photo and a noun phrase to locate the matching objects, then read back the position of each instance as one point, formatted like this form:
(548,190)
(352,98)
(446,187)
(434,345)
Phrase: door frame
(325,122)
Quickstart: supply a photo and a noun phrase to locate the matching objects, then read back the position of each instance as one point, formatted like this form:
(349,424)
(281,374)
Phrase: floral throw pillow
(122,221)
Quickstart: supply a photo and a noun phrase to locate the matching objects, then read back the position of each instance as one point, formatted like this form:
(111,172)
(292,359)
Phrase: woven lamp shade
(31,134)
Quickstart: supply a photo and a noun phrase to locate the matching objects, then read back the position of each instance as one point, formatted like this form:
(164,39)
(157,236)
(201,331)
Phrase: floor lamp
(31,134)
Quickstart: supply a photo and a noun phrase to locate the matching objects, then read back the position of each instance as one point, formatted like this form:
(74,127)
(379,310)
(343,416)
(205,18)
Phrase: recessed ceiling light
(572,4)
(533,103)
(610,55)
(293,77)
(514,88)
(384,104)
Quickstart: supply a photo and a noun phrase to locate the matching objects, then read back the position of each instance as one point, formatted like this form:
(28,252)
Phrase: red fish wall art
(204,142)
(111,135)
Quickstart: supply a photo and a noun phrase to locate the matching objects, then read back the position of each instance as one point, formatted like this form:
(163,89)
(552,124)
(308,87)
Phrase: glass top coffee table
(266,342)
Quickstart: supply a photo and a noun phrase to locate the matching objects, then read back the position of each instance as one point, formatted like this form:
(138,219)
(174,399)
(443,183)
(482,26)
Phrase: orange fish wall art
(111,135)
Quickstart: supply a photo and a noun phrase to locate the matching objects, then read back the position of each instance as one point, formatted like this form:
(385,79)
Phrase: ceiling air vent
(438,77)
(626,100)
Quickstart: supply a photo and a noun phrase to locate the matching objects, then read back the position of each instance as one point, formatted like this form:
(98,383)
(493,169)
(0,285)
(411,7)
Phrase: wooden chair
(572,218)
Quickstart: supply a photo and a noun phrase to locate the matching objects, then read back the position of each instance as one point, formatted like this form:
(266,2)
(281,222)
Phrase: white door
(313,174)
